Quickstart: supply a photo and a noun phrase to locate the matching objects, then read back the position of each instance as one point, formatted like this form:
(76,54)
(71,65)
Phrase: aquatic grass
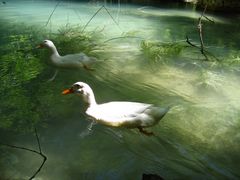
(232,59)
(157,51)
(18,111)
(209,81)
(19,66)
(17,69)
(71,39)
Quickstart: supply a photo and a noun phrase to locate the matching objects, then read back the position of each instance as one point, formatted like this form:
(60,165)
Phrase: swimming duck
(73,61)
(118,113)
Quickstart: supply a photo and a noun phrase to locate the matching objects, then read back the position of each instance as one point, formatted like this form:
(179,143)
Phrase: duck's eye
(77,86)
(45,41)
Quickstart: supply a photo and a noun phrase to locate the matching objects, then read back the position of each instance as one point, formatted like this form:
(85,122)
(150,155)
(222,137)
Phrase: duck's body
(126,114)
(72,61)
(119,113)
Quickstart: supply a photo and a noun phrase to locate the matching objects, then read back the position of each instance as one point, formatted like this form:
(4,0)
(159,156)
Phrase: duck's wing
(80,57)
(76,60)
(123,109)
(128,114)
(118,112)
(73,57)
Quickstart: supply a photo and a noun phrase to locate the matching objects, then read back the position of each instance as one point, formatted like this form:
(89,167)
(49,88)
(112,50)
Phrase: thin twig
(39,169)
(111,17)
(18,147)
(33,151)
(210,54)
(189,42)
(119,9)
(92,18)
(39,146)
(102,7)
(49,18)
(208,19)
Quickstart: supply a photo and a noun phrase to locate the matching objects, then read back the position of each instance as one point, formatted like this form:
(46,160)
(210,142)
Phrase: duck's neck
(54,53)
(90,99)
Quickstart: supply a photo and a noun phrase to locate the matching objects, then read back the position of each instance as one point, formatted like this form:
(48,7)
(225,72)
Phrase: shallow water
(198,139)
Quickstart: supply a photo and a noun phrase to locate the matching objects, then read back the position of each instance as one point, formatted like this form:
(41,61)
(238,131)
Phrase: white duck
(118,113)
(73,61)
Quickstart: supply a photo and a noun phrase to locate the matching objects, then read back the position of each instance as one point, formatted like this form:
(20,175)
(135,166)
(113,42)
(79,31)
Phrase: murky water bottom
(198,139)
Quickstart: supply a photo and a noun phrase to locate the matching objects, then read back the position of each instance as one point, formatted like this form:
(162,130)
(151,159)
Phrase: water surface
(198,139)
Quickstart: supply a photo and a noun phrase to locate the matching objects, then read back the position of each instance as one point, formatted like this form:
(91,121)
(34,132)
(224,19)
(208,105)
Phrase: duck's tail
(89,62)
(92,60)
(159,112)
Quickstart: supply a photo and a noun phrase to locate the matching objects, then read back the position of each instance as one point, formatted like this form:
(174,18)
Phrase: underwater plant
(155,51)
(19,65)
(71,39)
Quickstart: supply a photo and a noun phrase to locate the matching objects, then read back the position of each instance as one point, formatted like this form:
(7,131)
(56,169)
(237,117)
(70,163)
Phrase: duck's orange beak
(39,46)
(67,91)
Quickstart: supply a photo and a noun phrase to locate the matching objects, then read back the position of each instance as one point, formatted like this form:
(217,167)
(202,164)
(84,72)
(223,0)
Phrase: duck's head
(46,44)
(82,89)
(79,88)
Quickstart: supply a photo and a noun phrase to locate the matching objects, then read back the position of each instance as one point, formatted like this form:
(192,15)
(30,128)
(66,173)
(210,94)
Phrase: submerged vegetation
(156,51)
(73,40)
(19,66)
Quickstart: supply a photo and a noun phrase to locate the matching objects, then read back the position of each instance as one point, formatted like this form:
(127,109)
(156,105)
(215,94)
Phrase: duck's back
(118,112)
(75,60)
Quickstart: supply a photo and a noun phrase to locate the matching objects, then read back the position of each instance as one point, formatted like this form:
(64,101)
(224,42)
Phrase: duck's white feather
(72,60)
(117,113)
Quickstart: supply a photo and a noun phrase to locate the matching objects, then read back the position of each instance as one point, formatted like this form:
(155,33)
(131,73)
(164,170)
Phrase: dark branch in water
(41,154)
(205,51)
(102,7)
(208,19)
(49,18)
(33,151)
(200,32)
(189,42)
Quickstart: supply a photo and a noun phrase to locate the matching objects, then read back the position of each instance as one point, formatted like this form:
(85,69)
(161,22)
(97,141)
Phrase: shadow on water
(197,139)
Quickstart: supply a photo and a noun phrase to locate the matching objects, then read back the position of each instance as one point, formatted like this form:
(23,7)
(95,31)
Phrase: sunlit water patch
(198,138)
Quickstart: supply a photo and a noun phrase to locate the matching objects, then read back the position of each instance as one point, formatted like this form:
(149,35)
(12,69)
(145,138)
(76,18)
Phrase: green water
(198,139)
